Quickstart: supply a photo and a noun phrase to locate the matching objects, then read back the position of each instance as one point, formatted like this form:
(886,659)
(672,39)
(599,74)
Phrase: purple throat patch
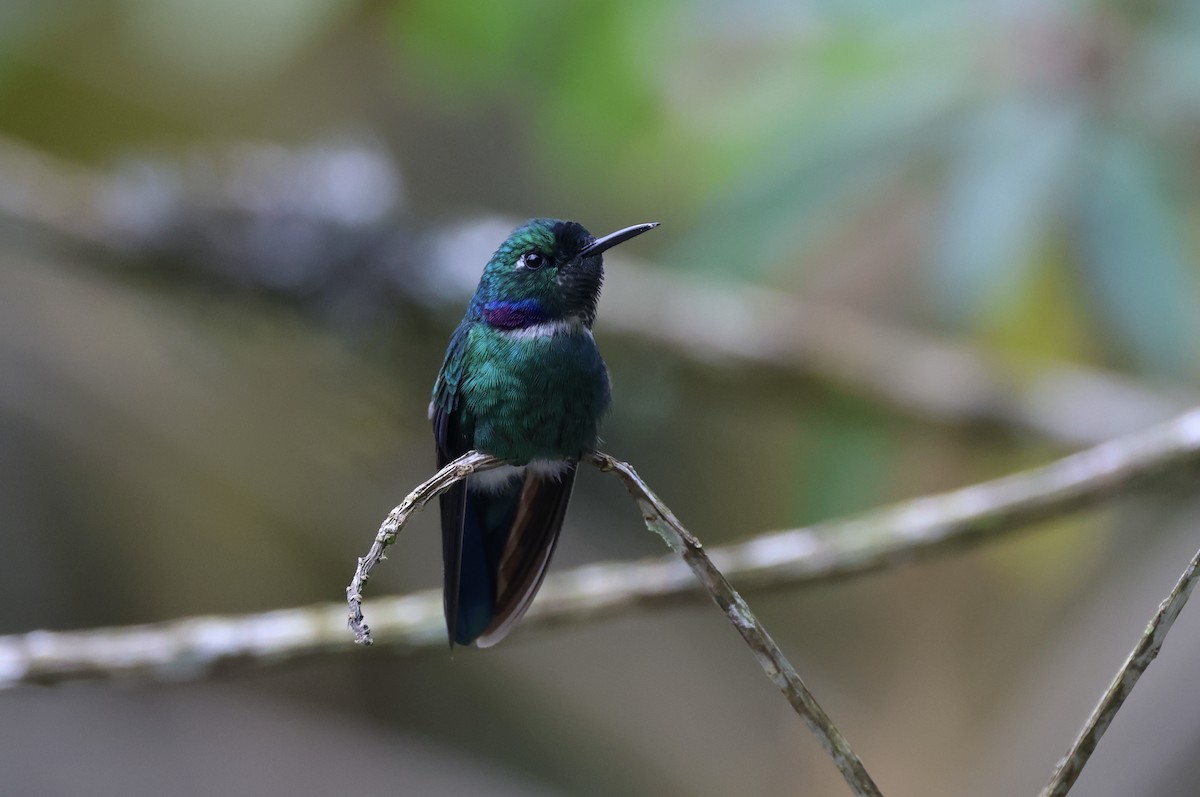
(513,315)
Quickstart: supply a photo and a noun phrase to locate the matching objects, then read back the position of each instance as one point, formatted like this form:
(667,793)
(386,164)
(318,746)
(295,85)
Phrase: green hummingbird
(523,381)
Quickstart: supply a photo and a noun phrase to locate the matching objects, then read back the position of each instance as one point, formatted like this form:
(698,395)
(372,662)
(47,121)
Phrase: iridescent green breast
(534,393)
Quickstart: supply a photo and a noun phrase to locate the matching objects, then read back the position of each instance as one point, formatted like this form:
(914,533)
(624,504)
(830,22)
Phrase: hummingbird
(522,380)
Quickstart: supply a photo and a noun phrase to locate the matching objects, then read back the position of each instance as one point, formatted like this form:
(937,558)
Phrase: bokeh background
(235,237)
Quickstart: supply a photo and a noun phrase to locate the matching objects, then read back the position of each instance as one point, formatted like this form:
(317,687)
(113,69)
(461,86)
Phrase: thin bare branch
(925,526)
(1146,650)
(659,518)
(459,469)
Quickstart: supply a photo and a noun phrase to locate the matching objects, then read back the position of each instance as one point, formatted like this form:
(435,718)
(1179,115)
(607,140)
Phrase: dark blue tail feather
(487,520)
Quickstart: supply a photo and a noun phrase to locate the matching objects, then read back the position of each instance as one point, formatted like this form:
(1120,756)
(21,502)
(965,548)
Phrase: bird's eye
(533,260)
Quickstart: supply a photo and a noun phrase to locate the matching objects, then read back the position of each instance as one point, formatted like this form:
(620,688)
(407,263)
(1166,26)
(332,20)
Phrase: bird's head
(546,270)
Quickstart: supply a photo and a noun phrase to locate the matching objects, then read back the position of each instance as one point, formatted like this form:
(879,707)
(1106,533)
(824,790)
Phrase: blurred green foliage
(768,135)
(777,129)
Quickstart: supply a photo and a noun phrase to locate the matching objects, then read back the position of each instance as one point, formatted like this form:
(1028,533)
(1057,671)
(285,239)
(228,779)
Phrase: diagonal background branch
(933,379)
(195,228)
(191,647)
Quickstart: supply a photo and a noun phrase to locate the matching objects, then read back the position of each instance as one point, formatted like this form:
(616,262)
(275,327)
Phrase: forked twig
(658,518)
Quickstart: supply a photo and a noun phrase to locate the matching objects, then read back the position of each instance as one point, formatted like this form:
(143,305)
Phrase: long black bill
(613,238)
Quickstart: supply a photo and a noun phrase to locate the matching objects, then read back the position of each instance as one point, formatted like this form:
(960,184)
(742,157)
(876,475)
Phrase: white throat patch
(546,329)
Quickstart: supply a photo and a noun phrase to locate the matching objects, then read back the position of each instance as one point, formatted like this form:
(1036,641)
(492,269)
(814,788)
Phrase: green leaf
(1008,176)
(820,178)
(1130,243)
(843,459)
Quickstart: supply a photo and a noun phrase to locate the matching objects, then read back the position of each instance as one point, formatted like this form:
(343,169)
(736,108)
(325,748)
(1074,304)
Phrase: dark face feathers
(579,278)
(557,264)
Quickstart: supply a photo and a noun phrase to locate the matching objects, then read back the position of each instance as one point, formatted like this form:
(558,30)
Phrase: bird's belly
(540,398)
(496,479)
